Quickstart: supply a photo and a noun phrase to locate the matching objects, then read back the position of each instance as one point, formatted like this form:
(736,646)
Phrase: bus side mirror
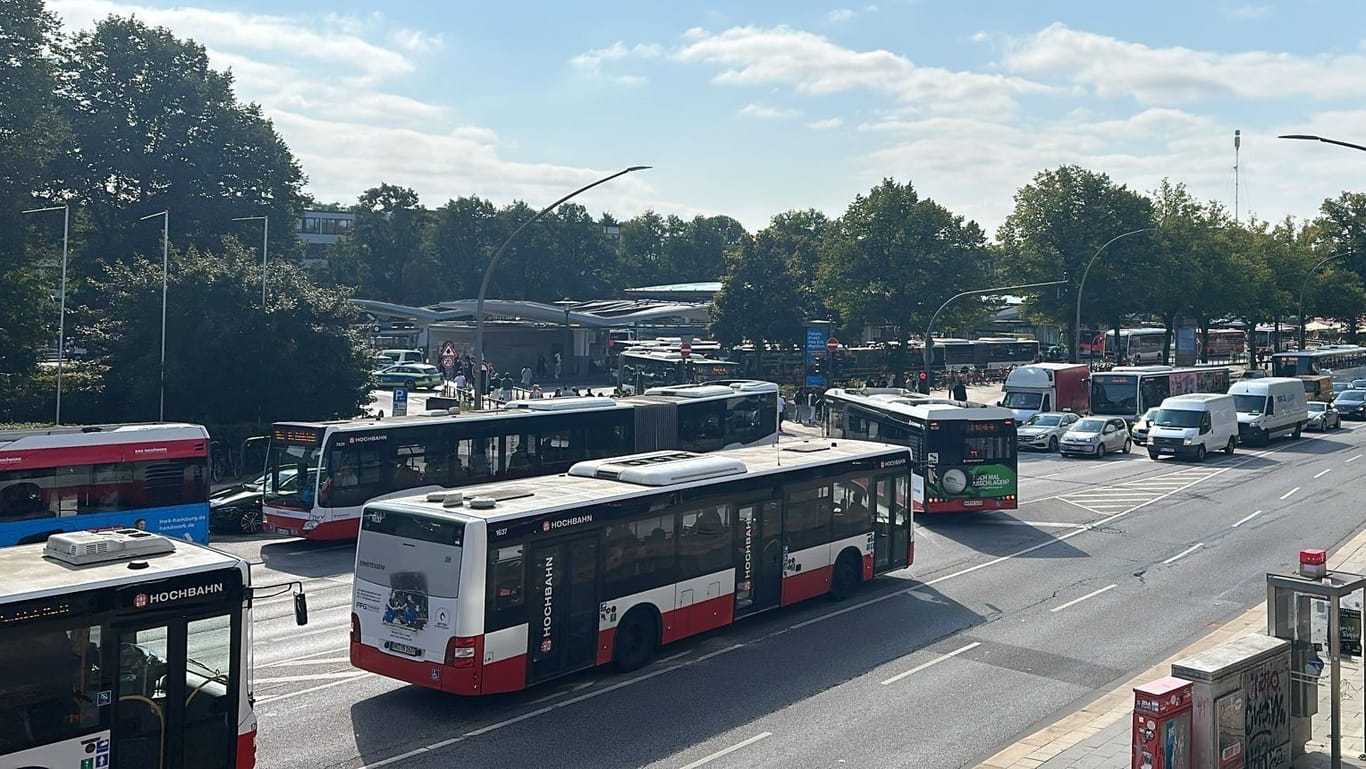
(300,609)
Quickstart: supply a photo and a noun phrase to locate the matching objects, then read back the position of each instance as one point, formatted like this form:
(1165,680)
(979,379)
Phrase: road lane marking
(311,689)
(292,663)
(1324,472)
(1185,552)
(1352,459)
(719,652)
(1246,519)
(1288,493)
(313,677)
(727,751)
(298,659)
(932,662)
(1035,524)
(1076,601)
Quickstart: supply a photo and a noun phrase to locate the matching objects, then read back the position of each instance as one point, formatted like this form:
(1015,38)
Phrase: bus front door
(564,610)
(891,526)
(759,557)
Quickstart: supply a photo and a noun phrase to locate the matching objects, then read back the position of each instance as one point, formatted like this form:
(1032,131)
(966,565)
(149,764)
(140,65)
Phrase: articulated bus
(146,476)
(1128,391)
(1344,362)
(963,458)
(507,585)
(125,649)
(642,369)
(1139,345)
(985,353)
(345,464)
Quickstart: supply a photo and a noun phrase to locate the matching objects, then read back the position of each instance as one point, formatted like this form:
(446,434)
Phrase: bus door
(891,525)
(564,610)
(759,556)
(175,695)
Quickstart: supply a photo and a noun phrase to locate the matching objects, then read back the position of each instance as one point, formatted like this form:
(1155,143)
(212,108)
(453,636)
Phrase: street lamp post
(61,320)
(1317,138)
(929,330)
(1076,347)
(1305,285)
(165,254)
(265,246)
(481,384)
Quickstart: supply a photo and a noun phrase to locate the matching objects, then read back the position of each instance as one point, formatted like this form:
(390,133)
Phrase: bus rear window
(415,527)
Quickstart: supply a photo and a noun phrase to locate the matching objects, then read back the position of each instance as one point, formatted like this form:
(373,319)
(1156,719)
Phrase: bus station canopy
(606,313)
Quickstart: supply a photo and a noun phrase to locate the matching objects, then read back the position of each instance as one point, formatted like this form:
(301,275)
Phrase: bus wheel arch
(847,574)
(636,640)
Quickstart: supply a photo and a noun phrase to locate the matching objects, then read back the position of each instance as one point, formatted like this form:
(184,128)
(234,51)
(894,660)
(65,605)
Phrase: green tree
(801,236)
(759,301)
(893,258)
(226,360)
(1060,222)
(386,239)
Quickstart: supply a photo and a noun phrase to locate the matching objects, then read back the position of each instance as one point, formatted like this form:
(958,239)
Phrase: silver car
(1095,436)
(1044,430)
(1323,417)
(1139,432)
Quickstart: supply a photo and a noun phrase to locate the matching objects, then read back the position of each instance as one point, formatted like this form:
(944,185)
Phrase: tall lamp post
(1076,347)
(1305,285)
(165,253)
(1317,138)
(61,320)
(265,246)
(481,383)
(929,339)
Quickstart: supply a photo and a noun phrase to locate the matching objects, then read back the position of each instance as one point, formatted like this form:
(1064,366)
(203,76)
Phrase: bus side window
(806,517)
(639,554)
(706,542)
(851,515)
(507,597)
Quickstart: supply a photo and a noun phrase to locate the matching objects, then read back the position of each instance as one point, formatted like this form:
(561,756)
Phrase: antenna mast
(1237,142)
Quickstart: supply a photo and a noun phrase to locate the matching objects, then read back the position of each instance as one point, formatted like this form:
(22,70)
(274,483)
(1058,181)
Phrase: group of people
(502,386)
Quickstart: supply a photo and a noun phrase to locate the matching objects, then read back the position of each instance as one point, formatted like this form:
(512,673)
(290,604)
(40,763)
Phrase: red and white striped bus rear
(501,586)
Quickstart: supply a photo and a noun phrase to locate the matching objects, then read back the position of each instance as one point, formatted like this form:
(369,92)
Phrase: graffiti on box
(1267,718)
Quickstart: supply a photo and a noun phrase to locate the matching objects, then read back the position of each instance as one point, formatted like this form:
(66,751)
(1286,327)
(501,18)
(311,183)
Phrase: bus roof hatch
(661,468)
(81,548)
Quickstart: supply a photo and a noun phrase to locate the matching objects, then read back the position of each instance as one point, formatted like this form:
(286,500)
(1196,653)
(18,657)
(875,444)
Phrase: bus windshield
(292,468)
(1114,394)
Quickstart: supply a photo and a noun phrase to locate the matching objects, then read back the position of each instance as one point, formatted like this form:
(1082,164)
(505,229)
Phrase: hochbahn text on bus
(501,586)
(146,476)
(125,649)
(344,464)
(963,459)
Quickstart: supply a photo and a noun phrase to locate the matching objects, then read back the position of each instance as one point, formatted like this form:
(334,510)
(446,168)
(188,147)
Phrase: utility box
(1241,704)
(1162,725)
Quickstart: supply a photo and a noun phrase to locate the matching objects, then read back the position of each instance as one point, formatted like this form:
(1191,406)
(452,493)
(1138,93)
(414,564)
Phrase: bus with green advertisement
(964,457)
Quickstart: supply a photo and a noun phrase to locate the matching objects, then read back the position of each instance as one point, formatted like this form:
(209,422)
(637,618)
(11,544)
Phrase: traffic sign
(400,402)
(831,345)
(685,349)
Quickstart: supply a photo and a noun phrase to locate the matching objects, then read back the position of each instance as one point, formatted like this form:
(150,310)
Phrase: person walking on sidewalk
(960,390)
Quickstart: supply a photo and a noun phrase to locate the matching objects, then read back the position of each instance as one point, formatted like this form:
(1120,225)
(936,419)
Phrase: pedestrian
(960,390)
(559,367)
(507,387)
(782,410)
(536,392)
(461,381)
(526,376)
(540,366)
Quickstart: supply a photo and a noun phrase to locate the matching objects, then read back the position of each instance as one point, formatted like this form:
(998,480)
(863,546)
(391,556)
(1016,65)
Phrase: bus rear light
(460,652)
(355,628)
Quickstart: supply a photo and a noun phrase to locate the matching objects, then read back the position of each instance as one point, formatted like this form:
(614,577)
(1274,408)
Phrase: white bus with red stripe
(501,586)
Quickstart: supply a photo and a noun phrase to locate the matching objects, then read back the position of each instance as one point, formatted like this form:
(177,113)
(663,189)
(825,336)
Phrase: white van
(1194,424)
(1269,407)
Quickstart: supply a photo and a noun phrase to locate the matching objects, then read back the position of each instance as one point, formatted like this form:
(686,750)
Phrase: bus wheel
(637,638)
(846,578)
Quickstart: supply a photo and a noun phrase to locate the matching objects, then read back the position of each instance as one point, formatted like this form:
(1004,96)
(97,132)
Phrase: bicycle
(221,464)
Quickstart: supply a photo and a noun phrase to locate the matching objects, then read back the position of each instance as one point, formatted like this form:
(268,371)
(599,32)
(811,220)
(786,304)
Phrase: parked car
(1044,430)
(1351,404)
(1096,436)
(1323,417)
(237,509)
(1359,384)
(380,360)
(413,376)
(1139,431)
(1341,387)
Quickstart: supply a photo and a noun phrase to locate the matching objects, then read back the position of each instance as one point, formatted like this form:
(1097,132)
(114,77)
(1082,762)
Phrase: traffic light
(923,380)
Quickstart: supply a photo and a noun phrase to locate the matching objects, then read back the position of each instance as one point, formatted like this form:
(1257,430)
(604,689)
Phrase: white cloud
(415,40)
(1114,68)
(1247,11)
(764,112)
(591,61)
(840,14)
(826,124)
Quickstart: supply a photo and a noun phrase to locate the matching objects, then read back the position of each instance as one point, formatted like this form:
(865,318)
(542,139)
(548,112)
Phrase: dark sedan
(1351,404)
(237,509)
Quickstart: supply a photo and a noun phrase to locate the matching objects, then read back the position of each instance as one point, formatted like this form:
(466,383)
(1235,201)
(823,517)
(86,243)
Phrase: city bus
(503,586)
(1138,345)
(123,648)
(964,459)
(1224,343)
(1129,391)
(641,369)
(985,353)
(146,476)
(1344,362)
(344,464)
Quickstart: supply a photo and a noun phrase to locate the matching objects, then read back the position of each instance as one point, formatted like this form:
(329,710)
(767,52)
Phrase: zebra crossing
(1129,495)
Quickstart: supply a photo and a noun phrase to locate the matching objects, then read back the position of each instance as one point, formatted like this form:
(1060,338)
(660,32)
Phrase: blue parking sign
(400,402)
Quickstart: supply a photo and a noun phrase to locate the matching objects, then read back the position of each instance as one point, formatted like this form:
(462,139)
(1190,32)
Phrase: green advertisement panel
(970,482)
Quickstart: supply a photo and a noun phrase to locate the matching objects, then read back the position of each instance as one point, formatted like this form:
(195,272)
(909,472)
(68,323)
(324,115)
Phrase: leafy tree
(155,128)
(759,301)
(1060,222)
(225,358)
(894,258)
(462,238)
(1189,263)
(387,237)
(801,235)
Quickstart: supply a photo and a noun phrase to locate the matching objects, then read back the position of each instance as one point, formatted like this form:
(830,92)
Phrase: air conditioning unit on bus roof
(81,548)
(660,468)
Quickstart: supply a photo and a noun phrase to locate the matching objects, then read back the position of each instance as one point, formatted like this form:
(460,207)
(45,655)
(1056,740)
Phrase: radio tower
(1237,141)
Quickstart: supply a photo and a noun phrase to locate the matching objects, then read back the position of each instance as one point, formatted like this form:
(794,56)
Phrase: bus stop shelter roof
(611,313)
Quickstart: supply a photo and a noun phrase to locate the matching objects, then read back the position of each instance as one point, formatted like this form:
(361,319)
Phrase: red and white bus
(1225,343)
(1138,345)
(502,586)
(125,649)
(1129,391)
(147,476)
(345,464)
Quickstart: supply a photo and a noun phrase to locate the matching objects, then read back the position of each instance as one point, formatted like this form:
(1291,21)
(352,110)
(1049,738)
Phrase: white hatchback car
(1095,436)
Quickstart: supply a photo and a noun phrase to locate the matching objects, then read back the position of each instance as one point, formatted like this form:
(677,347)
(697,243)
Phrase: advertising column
(813,355)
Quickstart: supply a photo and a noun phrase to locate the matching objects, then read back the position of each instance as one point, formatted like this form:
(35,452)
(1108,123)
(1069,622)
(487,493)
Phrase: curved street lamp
(1076,348)
(928,355)
(481,383)
(1305,285)
(1317,138)
(165,254)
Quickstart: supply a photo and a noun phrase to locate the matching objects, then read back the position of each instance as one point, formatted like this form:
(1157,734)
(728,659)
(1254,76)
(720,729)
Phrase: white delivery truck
(1269,407)
(1194,424)
(1039,387)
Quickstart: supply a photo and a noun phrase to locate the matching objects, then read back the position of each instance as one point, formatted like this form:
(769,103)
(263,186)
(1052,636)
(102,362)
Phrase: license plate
(972,503)
(411,651)
(283,530)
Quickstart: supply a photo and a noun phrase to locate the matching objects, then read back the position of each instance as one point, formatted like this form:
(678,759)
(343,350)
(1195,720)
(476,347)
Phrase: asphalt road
(1004,623)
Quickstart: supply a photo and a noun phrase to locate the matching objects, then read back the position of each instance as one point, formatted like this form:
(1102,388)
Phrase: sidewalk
(1097,736)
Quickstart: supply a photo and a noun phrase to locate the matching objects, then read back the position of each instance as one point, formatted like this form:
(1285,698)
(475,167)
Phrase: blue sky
(752,109)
